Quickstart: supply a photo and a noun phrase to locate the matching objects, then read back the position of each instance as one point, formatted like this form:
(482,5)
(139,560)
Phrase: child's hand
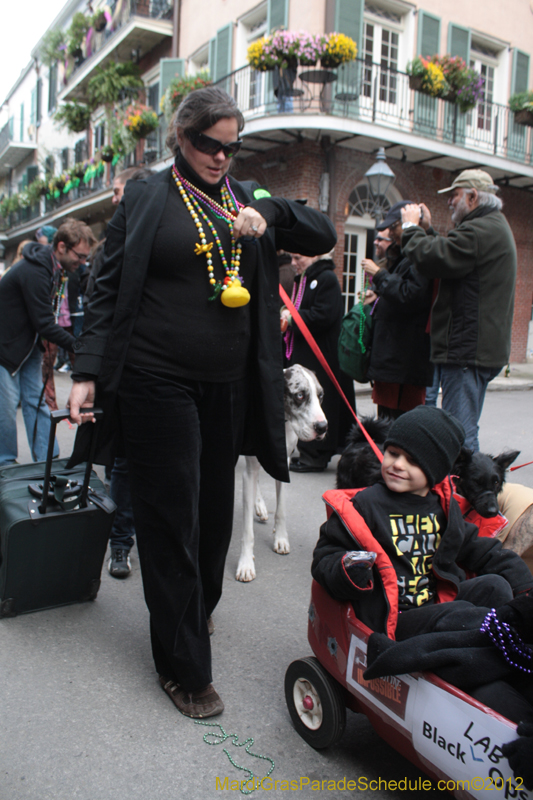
(358,565)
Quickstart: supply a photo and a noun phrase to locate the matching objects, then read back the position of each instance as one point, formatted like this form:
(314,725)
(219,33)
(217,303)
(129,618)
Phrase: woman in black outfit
(317,296)
(399,360)
(185,373)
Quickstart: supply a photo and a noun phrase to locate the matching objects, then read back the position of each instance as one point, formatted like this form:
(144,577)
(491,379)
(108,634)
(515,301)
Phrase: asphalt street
(82,714)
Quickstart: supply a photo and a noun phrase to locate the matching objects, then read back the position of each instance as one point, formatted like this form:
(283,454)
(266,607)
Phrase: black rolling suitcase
(54,529)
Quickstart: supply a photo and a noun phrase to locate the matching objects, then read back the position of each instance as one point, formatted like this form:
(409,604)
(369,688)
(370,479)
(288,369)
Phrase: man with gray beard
(472,315)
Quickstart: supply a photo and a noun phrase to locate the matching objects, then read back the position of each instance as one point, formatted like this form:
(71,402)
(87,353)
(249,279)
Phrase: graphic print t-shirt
(409,528)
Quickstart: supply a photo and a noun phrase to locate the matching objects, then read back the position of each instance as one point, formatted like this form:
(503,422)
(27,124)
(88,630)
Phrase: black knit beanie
(432,437)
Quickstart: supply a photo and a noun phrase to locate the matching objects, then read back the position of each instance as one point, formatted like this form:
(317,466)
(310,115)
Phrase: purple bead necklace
(289,334)
(506,639)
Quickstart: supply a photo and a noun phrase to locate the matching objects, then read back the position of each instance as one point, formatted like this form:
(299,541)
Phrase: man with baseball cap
(472,315)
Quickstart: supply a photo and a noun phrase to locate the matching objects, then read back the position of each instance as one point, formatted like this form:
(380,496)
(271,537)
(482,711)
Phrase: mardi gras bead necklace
(60,282)
(233,294)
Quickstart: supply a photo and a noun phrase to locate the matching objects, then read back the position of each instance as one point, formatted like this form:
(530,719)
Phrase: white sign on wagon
(465,743)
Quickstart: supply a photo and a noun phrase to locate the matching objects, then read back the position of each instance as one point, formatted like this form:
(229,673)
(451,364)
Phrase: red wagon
(442,730)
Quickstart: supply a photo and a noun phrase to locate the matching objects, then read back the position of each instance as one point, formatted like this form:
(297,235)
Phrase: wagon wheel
(315,703)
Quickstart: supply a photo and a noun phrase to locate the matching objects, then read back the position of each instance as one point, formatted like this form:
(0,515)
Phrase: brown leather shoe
(197,704)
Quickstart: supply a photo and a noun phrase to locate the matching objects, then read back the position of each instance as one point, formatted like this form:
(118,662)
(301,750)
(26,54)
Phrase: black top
(178,329)
(409,528)
(400,344)
(26,307)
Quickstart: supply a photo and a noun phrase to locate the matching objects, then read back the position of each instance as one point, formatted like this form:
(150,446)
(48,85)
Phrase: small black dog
(478,476)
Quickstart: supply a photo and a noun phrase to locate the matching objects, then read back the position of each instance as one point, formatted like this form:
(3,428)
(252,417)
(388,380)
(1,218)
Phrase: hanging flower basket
(524,117)
(339,49)
(522,105)
(140,120)
(179,88)
(99,21)
(107,153)
(426,76)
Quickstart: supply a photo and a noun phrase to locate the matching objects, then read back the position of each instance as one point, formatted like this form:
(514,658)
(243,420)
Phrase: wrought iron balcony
(137,26)
(12,153)
(370,93)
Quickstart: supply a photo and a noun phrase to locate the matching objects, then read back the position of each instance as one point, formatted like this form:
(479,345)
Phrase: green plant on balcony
(53,48)
(74,116)
(37,189)
(179,88)
(76,34)
(339,49)
(99,21)
(56,185)
(448,77)
(6,207)
(426,76)
(113,82)
(522,105)
(140,120)
(464,86)
(107,153)
(286,49)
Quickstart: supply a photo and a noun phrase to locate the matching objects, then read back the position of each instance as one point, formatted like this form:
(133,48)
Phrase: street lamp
(380,178)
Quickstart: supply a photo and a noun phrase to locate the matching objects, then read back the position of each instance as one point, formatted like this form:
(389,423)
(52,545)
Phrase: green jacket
(476,263)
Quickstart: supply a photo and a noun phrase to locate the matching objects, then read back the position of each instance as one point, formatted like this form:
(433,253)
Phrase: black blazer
(114,305)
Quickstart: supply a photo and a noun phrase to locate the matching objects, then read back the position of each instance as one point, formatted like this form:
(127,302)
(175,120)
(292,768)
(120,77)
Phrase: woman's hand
(370,297)
(369,266)
(81,396)
(249,223)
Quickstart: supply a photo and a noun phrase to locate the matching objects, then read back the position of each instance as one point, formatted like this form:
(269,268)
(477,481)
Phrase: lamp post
(380,178)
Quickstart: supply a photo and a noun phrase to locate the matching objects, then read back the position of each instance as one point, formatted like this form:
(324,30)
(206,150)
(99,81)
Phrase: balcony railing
(122,11)
(374,94)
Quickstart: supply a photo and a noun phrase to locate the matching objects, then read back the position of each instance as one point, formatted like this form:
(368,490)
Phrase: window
(80,151)
(64,159)
(52,88)
(99,136)
(22,122)
(380,46)
(484,61)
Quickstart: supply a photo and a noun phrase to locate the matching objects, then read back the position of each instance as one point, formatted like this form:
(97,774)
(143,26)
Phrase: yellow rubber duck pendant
(235,295)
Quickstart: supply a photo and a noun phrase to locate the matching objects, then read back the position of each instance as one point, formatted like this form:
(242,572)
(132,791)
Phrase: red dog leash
(512,469)
(308,336)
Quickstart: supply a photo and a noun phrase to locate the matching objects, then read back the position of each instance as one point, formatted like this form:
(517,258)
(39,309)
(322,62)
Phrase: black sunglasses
(205,144)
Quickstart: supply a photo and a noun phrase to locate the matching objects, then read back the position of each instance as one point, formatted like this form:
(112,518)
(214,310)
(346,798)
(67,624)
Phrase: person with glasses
(31,295)
(181,348)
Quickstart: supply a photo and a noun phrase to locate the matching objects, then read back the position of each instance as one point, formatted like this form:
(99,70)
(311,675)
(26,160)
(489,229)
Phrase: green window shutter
(31,174)
(38,101)
(212,58)
(277,14)
(52,87)
(22,122)
(33,106)
(11,123)
(349,19)
(224,48)
(459,40)
(428,34)
(520,80)
(169,68)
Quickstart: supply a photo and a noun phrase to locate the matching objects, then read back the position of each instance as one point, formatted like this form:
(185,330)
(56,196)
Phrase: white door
(352,272)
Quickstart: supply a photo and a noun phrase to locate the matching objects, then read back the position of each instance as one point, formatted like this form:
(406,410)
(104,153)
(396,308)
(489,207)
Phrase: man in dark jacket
(472,315)
(30,295)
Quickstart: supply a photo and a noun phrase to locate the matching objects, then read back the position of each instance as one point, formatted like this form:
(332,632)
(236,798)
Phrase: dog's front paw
(245,570)
(261,510)
(281,544)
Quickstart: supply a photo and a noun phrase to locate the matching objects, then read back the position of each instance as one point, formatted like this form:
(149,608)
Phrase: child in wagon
(401,551)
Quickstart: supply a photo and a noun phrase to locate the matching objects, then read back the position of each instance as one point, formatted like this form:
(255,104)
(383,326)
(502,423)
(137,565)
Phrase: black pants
(473,602)
(182,440)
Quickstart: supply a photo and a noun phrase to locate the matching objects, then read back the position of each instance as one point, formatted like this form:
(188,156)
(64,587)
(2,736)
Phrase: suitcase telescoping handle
(55,417)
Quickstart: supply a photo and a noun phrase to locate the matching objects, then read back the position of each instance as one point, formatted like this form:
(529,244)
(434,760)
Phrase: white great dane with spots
(304,420)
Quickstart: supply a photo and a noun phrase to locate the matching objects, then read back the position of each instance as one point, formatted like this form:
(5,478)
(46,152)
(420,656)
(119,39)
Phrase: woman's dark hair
(200,110)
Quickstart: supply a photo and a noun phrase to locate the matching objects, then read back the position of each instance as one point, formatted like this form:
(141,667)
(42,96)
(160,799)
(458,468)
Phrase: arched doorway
(358,238)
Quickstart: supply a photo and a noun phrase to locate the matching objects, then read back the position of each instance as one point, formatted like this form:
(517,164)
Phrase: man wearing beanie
(400,550)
